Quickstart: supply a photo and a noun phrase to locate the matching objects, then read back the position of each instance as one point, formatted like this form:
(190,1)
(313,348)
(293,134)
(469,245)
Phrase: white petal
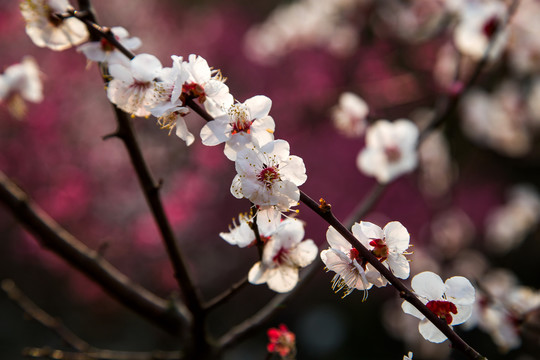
(282,279)
(369,230)
(257,274)
(182,131)
(428,285)
(215,132)
(396,236)
(411,310)
(336,241)
(464,312)
(145,67)
(305,253)
(259,106)
(289,233)
(430,332)
(294,170)
(399,265)
(236,187)
(459,290)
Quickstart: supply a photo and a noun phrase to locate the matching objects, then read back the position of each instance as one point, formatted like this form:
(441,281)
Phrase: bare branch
(165,314)
(100,354)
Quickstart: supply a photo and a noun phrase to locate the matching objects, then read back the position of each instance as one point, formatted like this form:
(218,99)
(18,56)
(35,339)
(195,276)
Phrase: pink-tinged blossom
(451,301)
(242,234)
(269,175)
(389,245)
(281,341)
(21,82)
(343,259)
(104,51)
(244,125)
(48,30)
(390,150)
(198,80)
(284,253)
(349,116)
(132,87)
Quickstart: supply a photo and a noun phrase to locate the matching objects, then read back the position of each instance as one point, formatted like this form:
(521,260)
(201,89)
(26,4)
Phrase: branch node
(324,206)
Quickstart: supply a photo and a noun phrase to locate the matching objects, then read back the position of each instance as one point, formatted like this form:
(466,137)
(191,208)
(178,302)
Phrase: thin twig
(50,234)
(85,351)
(39,315)
(100,354)
(226,295)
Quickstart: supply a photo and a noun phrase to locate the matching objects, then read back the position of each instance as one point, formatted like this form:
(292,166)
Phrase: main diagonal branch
(51,235)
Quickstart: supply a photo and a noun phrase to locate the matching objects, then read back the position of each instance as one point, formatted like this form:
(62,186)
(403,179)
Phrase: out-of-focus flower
(269,176)
(21,82)
(132,87)
(390,150)
(343,259)
(507,226)
(200,81)
(282,341)
(389,245)
(451,301)
(243,235)
(104,51)
(48,30)
(524,43)
(322,25)
(451,232)
(409,356)
(284,253)
(435,165)
(244,125)
(479,23)
(498,120)
(349,116)
(501,308)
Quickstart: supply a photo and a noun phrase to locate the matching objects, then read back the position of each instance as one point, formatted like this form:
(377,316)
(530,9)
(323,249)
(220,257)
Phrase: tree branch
(165,314)
(101,354)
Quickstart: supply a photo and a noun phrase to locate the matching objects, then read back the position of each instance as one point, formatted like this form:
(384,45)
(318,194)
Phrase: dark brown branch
(50,234)
(36,313)
(404,292)
(85,351)
(100,354)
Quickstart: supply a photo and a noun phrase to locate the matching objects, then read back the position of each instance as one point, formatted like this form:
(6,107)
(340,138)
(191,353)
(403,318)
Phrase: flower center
(281,256)
(380,250)
(268,175)
(354,254)
(241,121)
(195,90)
(490,26)
(106,45)
(442,309)
(54,19)
(393,154)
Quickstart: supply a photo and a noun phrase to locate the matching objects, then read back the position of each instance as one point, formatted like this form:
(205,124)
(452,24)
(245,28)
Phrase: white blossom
(269,175)
(244,125)
(451,301)
(47,30)
(132,87)
(349,116)
(20,82)
(390,150)
(242,234)
(104,51)
(283,254)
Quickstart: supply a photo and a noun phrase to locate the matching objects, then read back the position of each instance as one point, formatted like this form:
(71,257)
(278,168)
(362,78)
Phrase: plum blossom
(48,30)
(21,82)
(200,81)
(451,301)
(269,175)
(104,51)
(479,22)
(132,87)
(390,150)
(283,254)
(282,342)
(409,356)
(351,270)
(349,116)
(245,124)
(242,234)
(388,245)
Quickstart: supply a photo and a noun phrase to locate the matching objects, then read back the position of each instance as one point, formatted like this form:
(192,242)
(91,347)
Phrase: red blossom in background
(282,342)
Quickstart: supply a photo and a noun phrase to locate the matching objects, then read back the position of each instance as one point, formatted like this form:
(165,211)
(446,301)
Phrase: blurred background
(472,206)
